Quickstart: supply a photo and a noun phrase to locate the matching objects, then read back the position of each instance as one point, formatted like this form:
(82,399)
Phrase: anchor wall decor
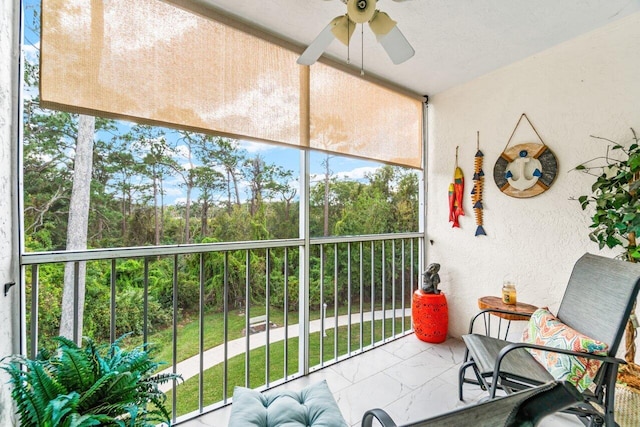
(525,170)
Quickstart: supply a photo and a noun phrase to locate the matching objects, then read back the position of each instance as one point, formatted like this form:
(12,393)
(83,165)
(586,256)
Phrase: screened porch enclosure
(255,313)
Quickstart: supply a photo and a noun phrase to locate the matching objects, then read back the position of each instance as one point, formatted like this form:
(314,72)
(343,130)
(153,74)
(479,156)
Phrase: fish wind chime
(456,189)
(476,192)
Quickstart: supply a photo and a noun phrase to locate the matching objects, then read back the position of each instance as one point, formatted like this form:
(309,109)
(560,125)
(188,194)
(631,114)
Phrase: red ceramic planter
(430,316)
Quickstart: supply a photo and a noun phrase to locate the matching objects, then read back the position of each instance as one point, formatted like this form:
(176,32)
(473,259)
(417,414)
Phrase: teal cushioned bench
(313,406)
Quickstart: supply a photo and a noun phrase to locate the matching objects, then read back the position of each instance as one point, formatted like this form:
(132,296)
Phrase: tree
(264,181)
(209,181)
(47,172)
(405,200)
(225,153)
(212,153)
(287,193)
(104,214)
(125,169)
(77,228)
(156,157)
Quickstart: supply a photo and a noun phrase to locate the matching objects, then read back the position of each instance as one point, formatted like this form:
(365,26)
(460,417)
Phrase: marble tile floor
(408,378)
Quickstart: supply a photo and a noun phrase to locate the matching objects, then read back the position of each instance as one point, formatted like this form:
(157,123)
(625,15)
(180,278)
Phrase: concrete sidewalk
(191,367)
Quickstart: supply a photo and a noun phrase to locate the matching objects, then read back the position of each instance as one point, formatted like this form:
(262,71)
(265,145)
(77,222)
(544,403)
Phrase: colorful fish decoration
(476,192)
(452,200)
(456,190)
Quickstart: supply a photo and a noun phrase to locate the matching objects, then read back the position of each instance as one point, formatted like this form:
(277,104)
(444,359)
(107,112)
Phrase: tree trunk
(161,209)
(235,187)
(229,192)
(630,338)
(77,230)
(187,216)
(327,176)
(204,229)
(155,210)
(287,209)
(124,214)
(630,330)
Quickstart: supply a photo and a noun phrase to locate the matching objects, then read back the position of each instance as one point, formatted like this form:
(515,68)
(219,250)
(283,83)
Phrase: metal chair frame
(595,281)
(524,408)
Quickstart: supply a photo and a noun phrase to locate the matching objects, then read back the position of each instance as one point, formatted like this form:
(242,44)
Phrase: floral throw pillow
(546,329)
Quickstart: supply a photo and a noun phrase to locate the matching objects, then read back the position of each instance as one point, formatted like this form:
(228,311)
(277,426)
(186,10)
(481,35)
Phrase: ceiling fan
(342,27)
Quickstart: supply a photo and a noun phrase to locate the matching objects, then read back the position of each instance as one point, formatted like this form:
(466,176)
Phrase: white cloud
(356,174)
(181,152)
(256,147)
(186,165)
(31,52)
(173,191)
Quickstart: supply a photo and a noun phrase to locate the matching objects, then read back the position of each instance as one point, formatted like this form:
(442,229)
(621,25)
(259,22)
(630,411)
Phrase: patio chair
(524,408)
(597,303)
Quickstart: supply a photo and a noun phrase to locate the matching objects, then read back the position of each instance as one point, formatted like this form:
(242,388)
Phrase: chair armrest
(503,353)
(541,404)
(492,310)
(379,414)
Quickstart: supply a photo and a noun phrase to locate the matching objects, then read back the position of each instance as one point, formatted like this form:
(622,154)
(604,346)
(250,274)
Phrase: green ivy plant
(616,221)
(614,196)
(88,386)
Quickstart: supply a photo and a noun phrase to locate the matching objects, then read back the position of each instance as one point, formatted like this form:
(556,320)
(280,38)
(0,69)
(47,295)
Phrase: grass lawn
(189,333)
(189,330)
(259,372)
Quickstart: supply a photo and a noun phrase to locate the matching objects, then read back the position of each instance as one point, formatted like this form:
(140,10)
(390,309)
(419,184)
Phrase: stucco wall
(587,86)
(8,61)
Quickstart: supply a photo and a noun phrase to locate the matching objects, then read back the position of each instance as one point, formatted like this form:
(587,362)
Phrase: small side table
(520,310)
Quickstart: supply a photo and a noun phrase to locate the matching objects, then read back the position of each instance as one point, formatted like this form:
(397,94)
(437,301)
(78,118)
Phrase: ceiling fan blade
(397,46)
(391,38)
(317,46)
(341,28)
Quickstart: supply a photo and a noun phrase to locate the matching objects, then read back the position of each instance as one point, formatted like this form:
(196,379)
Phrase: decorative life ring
(525,170)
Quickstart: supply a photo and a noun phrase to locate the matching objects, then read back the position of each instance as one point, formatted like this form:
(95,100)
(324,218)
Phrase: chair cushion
(546,329)
(313,406)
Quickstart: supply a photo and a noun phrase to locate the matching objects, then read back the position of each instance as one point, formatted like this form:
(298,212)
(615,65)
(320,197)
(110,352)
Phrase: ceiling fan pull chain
(348,42)
(361,50)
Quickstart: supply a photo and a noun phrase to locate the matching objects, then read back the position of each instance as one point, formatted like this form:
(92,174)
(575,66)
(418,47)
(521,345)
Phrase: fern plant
(87,386)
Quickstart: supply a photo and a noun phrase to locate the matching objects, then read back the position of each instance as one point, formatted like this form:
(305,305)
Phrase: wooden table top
(496,302)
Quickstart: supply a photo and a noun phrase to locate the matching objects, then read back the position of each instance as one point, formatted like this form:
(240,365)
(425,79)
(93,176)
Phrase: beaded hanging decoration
(476,191)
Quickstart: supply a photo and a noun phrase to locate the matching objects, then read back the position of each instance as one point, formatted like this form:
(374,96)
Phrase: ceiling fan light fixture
(361,11)
(342,28)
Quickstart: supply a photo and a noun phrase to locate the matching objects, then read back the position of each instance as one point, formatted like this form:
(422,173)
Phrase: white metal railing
(360,296)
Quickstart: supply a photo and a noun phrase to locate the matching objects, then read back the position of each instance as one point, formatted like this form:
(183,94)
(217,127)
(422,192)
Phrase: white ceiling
(455,40)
